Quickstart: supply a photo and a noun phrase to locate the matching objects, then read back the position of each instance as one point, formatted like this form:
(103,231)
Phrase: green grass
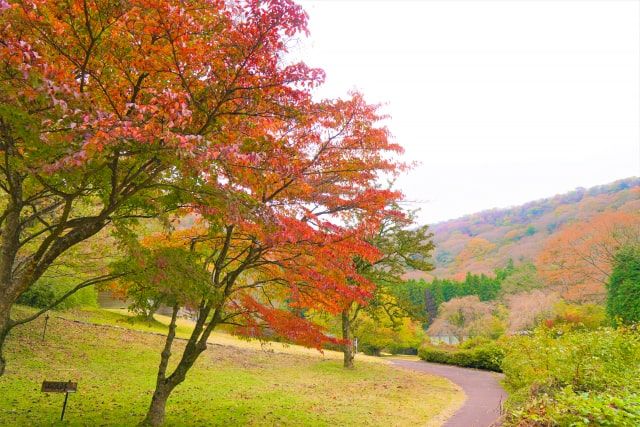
(229,385)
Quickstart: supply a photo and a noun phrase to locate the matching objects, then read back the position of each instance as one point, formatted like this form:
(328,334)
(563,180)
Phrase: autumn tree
(579,259)
(375,335)
(476,248)
(284,218)
(526,309)
(111,111)
(403,247)
(467,317)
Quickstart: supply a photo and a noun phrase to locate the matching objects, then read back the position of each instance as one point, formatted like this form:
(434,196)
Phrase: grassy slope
(230,385)
(122,318)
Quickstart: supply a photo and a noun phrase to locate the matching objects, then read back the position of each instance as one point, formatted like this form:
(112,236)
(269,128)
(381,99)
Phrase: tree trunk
(155,414)
(153,308)
(5,327)
(347,347)
(196,344)
(166,383)
(9,291)
(148,315)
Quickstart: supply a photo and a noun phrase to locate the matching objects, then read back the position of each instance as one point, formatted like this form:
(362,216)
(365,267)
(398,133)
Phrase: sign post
(60,387)
(46,320)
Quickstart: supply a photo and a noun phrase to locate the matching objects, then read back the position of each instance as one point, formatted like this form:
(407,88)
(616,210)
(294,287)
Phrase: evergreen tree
(623,291)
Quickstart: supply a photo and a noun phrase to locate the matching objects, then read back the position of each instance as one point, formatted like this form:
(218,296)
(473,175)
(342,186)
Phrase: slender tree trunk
(5,327)
(347,347)
(195,346)
(164,385)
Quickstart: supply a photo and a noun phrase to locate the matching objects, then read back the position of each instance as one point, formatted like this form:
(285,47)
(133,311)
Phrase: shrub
(585,316)
(568,376)
(474,342)
(568,408)
(623,291)
(376,336)
(437,355)
(44,293)
(487,356)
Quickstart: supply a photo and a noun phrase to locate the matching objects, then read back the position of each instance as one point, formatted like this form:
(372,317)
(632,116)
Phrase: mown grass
(125,319)
(230,385)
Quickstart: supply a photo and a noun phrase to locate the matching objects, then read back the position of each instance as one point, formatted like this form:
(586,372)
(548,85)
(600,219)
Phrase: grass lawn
(123,319)
(230,384)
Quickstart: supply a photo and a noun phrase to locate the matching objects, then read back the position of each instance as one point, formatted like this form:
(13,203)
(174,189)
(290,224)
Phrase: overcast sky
(501,102)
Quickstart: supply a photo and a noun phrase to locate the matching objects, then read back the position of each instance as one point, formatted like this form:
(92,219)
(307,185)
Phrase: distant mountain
(483,241)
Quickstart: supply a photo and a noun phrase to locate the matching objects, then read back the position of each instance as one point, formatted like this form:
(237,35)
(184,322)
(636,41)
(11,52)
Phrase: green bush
(376,336)
(475,342)
(487,356)
(432,354)
(568,408)
(623,291)
(564,376)
(44,293)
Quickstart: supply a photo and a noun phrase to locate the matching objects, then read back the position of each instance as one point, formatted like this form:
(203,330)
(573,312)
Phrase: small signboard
(65,387)
(59,387)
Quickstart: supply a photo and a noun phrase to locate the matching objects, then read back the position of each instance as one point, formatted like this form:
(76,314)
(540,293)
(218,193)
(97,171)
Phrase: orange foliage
(147,106)
(286,214)
(506,227)
(579,258)
(477,249)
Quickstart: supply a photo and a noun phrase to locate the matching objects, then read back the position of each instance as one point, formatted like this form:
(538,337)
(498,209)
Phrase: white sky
(501,102)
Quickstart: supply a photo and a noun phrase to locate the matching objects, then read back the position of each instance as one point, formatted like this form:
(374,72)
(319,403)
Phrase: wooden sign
(65,387)
(59,387)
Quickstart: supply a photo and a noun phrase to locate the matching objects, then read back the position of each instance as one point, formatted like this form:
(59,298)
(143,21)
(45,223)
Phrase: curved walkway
(484,393)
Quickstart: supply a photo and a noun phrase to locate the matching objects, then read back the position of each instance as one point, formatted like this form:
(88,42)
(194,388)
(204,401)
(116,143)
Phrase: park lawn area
(230,385)
(122,318)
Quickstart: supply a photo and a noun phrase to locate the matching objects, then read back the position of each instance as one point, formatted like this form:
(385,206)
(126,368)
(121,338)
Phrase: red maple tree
(281,220)
(112,111)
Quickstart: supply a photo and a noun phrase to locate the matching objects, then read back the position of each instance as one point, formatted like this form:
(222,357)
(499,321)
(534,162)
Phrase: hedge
(488,356)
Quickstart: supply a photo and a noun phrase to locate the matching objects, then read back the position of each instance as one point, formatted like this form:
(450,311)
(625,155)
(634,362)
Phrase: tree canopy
(579,259)
(115,112)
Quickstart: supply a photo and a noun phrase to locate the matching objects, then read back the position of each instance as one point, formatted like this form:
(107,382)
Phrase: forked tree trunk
(347,347)
(166,383)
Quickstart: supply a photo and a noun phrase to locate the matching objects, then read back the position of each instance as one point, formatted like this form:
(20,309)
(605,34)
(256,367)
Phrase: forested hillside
(483,241)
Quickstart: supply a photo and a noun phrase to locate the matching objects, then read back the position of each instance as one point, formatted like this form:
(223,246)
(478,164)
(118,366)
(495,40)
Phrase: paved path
(484,393)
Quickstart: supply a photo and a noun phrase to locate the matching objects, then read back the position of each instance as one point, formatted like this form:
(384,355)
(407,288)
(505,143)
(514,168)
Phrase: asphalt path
(484,393)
